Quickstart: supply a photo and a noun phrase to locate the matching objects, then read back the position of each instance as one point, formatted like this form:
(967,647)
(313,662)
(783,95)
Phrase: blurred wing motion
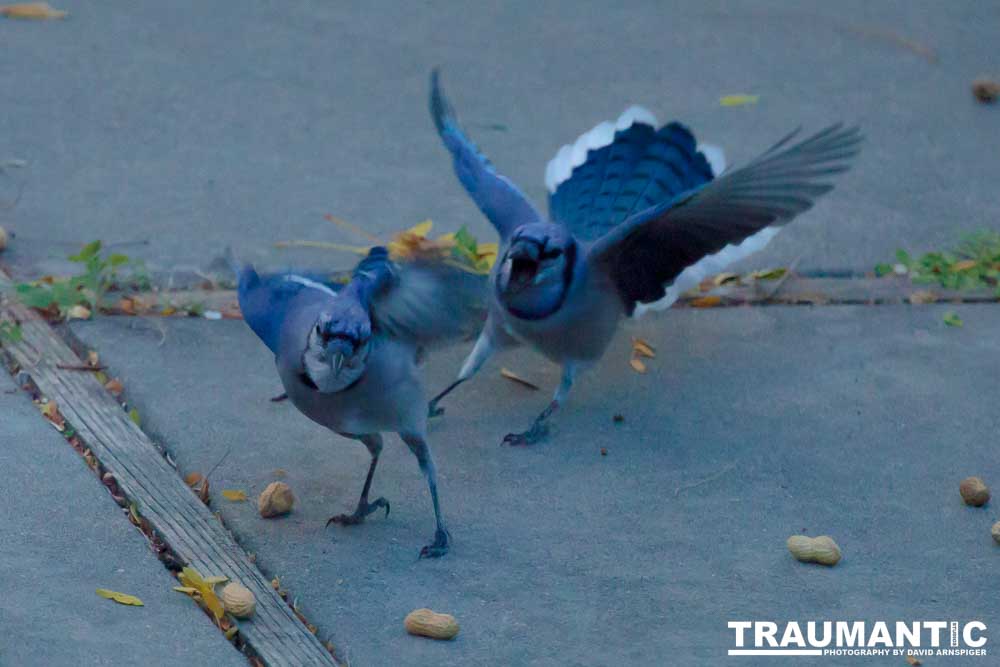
(660,252)
(429,302)
(499,199)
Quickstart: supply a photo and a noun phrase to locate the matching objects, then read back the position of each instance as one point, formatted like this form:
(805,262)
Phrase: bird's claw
(433,410)
(529,437)
(359,514)
(438,547)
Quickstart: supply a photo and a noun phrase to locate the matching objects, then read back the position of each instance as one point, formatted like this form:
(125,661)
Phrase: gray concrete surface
(62,537)
(752,424)
(192,126)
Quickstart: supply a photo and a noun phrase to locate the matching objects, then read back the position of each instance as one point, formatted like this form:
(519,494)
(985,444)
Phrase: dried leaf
(191,578)
(510,375)
(32,10)
(231,632)
(190,590)
(952,319)
(637,365)
(234,495)
(964,265)
(50,411)
(923,296)
(193,478)
(706,301)
(421,229)
(78,312)
(127,305)
(738,100)
(114,386)
(120,598)
(915,662)
(168,311)
(986,90)
(769,274)
(723,278)
(217,579)
(642,349)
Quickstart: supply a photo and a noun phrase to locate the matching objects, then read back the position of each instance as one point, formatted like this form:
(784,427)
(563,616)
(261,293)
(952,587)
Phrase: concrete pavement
(751,425)
(63,537)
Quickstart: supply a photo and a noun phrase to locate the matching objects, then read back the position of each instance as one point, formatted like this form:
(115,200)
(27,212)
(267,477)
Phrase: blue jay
(639,214)
(348,358)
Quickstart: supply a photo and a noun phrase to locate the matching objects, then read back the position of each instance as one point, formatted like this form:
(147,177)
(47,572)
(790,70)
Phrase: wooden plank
(195,535)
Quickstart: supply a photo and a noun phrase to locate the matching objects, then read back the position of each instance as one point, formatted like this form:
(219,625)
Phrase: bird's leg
(480,353)
(539,428)
(374,444)
(418,446)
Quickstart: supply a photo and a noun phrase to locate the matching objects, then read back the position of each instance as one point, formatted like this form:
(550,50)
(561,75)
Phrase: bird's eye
(319,332)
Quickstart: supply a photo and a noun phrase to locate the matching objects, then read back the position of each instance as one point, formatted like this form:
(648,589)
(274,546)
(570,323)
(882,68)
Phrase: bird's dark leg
(539,428)
(480,353)
(374,444)
(418,446)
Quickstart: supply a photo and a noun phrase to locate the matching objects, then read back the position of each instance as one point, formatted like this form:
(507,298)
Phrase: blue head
(338,345)
(535,272)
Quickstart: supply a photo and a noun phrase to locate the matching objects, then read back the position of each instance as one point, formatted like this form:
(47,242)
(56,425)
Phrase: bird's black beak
(338,363)
(520,266)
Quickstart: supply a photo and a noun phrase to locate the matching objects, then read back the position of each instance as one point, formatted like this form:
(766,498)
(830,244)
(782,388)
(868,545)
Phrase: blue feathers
(266,301)
(641,168)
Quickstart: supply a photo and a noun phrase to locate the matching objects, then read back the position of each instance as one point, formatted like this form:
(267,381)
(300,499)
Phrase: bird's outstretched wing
(657,253)
(498,198)
(429,302)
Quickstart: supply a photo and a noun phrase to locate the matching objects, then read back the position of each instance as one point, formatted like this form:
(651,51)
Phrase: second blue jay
(638,215)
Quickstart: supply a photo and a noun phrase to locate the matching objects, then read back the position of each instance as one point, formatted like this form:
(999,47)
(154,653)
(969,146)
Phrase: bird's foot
(433,410)
(364,509)
(533,435)
(438,547)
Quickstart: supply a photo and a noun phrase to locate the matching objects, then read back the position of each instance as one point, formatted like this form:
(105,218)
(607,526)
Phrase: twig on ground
(691,485)
(80,367)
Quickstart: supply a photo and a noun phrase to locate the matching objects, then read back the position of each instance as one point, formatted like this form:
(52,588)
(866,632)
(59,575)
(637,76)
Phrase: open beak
(520,267)
(338,363)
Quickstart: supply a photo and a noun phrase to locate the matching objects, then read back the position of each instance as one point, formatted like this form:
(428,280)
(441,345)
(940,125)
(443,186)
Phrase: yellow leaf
(190,577)
(738,100)
(217,579)
(769,274)
(234,495)
(358,250)
(190,590)
(231,632)
(964,265)
(421,229)
(510,375)
(706,301)
(120,598)
(168,311)
(32,10)
(133,414)
(637,366)
(923,296)
(484,249)
(641,348)
(724,278)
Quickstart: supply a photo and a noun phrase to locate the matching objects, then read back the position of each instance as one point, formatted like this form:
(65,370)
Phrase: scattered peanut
(974,491)
(426,623)
(277,499)
(238,600)
(995,531)
(986,90)
(822,549)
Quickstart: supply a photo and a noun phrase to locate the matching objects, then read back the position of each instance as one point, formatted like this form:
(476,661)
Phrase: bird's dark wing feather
(646,253)
(499,199)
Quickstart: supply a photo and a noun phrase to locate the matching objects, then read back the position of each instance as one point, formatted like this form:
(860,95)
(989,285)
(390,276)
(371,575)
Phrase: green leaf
(87,252)
(883,269)
(952,320)
(118,259)
(133,414)
(120,598)
(904,258)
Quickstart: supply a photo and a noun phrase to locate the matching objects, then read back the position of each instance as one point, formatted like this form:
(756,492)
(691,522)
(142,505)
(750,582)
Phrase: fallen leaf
(915,662)
(738,100)
(706,301)
(952,320)
(923,296)
(190,577)
(723,278)
(642,348)
(964,265)
(604,451)
(637,366)
(190,590)
(168,311)
(216,580)
(92,359)
(231,632)
(127,305)
(510,375)
(133,414)
(193,478)
(78,312)
(234,495)
(120,598)
(114,386)
(618,418)
(769,274)
(32,10)
(50,411)
(279,472)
